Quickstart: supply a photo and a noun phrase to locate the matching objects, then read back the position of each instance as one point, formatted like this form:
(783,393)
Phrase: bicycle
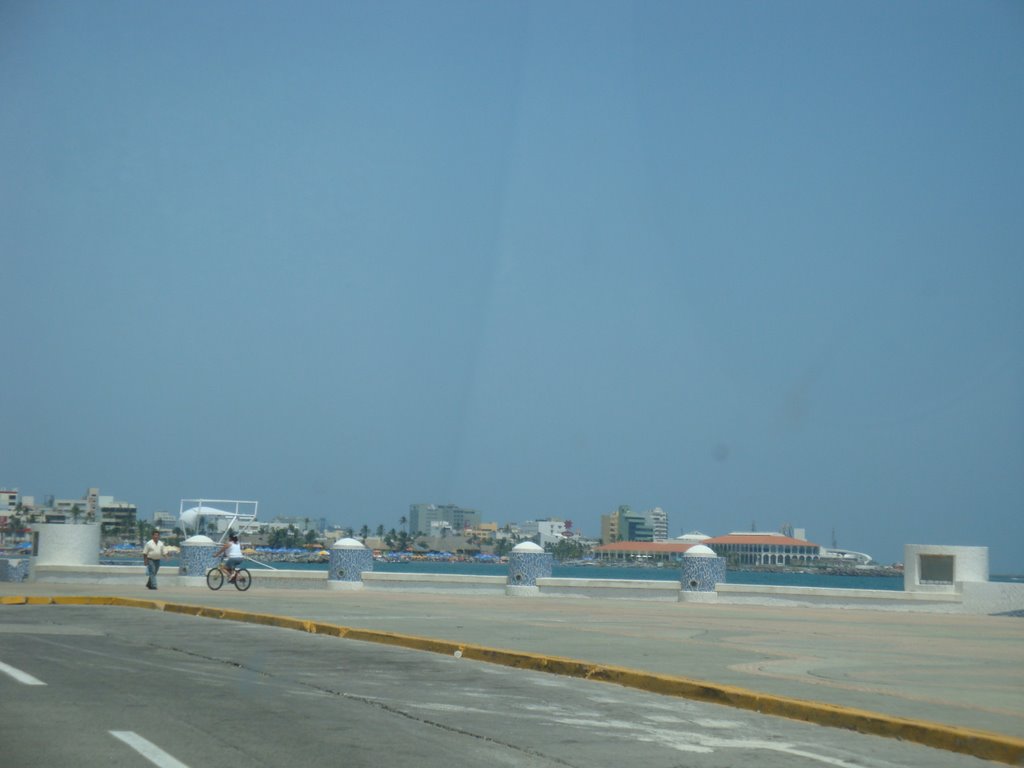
(216,575)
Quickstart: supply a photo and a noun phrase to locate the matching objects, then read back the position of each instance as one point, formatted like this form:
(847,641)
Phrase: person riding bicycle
(234,555)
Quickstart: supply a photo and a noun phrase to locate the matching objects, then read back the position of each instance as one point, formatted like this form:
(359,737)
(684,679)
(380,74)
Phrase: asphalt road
(119,683)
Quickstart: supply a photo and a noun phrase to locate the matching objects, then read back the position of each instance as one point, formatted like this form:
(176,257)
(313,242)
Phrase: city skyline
(786,529)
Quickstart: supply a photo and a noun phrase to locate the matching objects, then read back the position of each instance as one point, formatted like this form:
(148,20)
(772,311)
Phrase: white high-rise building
(657,519)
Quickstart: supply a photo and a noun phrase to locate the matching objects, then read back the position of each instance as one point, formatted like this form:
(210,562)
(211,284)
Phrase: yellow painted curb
(981,744)
(82,600)
(191,610)
(138,602)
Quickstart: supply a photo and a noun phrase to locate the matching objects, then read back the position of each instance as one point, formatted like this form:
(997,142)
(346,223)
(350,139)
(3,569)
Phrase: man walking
(151,556)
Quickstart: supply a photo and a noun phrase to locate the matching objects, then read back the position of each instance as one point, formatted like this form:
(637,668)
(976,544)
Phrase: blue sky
(754,263)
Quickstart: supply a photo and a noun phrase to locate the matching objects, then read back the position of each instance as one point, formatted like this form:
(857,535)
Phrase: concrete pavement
(958,672)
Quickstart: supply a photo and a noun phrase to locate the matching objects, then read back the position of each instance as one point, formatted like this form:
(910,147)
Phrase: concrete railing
(93,574)
(628,589)
(969,597)
(127,574)
(434,582)
(762,594)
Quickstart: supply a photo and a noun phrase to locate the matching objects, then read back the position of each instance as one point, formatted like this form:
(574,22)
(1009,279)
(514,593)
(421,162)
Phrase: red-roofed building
(755,548)
(643,551)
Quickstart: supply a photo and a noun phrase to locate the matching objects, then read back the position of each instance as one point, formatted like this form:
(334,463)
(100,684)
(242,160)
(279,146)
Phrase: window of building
(936,569)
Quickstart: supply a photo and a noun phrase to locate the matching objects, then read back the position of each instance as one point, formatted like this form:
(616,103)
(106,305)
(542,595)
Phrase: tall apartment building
(116,516)
(422,515)
(8,501)
(657,518)
(610,527)
(626,525)
(92,503)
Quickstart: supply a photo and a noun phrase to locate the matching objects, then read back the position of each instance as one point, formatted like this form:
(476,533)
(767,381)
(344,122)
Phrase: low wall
(169,576)
(625,589)
(285,579)
(970,597)
(879,599)
(96,574)
(434,582)
(993,597)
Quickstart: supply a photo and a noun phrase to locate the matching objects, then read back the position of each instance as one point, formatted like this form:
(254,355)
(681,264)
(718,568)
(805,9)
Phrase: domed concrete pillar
(196,559)
(14,569)
(349,558)
(527,562)
(701,570)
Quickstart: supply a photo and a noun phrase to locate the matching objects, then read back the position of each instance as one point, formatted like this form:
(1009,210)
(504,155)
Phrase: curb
(981,744)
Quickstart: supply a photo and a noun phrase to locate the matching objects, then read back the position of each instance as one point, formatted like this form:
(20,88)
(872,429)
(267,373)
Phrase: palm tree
(14,522)
(364,532)
(276,538)
(380,531)
(402,521)
(145,530)
(76,512)
(503,547)
(566,549)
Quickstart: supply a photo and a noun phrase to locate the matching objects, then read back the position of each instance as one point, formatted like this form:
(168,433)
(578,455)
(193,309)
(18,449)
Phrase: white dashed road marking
(148,749)
(21,677)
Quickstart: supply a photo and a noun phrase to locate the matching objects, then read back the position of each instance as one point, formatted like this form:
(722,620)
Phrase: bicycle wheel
(242,579)
(215,578)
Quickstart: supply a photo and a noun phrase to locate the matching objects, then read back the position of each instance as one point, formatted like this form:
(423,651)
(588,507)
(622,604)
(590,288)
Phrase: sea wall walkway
(968,597)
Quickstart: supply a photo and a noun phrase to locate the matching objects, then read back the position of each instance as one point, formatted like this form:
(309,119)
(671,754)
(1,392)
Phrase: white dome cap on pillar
(527,547)
(700,550)
(348,544)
